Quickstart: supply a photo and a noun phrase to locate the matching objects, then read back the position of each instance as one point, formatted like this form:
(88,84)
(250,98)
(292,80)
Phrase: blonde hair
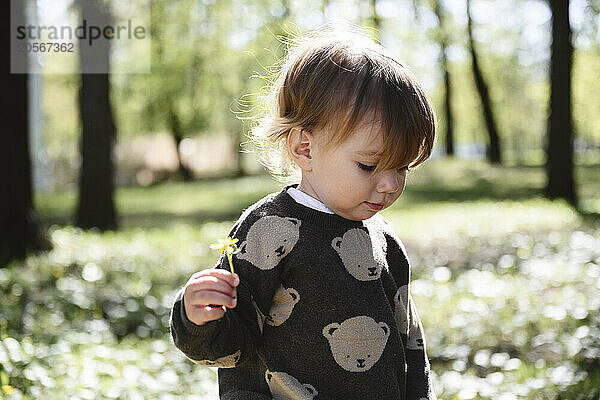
(333,82)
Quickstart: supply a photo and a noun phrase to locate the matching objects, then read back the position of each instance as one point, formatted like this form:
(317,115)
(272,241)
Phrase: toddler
(320,305)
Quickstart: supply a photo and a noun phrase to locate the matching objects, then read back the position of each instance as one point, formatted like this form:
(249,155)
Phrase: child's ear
(300,143)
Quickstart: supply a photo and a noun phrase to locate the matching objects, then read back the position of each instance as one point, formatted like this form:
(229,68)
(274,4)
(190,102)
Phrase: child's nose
(389,182)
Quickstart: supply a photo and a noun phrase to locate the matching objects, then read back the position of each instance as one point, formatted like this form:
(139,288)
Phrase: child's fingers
(232,279)
(210,283)
(202,314)
(208,294)
(205,297)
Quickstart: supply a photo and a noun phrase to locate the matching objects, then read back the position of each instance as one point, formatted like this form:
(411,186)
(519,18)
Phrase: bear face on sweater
(401,309)
(269,239)
(357,343)
(283,304)
(285,387)
(356,251)
(416,340)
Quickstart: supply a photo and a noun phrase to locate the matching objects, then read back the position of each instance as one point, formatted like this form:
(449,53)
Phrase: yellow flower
(227,245)
(7,389)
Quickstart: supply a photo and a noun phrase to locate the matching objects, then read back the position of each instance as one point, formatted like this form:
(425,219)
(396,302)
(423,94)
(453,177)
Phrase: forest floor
(507,284)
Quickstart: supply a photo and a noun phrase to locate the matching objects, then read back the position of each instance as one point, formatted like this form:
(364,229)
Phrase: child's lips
(374,206)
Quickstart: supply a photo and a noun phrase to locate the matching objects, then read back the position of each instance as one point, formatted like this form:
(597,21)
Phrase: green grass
(166,204)
(507,284)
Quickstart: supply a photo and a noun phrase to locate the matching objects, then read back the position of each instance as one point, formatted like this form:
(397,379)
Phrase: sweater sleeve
(232,339)
(418,379)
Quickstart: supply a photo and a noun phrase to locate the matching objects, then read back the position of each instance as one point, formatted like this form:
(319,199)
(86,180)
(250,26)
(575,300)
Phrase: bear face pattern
(416,341)
(401,309)
(285,387)
(356,251)
(357,343)
(229,361)
(284,301)
(268,240)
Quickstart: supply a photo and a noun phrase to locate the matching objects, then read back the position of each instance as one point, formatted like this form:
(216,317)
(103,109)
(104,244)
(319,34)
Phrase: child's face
(341,177)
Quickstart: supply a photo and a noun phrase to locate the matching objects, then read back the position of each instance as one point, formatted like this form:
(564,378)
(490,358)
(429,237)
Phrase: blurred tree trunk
(171,86)
(239,156)
(493,149)
(20,228)
(96,179)
(375,20)
(324,4)
(559,164)
(444,42)
(176,130)
(277,26)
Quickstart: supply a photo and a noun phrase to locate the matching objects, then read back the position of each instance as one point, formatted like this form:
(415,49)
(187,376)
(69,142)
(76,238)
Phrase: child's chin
(362,216)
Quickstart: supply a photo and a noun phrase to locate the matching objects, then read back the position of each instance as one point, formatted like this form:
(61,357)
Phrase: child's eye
(365,167)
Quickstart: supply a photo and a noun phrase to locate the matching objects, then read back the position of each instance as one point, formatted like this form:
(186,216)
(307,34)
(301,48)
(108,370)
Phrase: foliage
(91,316)
(512,315)
(207,56)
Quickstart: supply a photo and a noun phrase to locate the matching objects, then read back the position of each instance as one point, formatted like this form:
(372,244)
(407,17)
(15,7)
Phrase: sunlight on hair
(329,80)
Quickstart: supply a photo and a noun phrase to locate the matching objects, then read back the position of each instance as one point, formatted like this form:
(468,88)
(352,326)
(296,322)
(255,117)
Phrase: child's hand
(208,294)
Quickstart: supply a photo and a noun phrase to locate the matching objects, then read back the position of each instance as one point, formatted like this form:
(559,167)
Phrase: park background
(118,183)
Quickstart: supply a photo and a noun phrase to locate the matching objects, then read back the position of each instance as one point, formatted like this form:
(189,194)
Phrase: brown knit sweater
(324,311)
